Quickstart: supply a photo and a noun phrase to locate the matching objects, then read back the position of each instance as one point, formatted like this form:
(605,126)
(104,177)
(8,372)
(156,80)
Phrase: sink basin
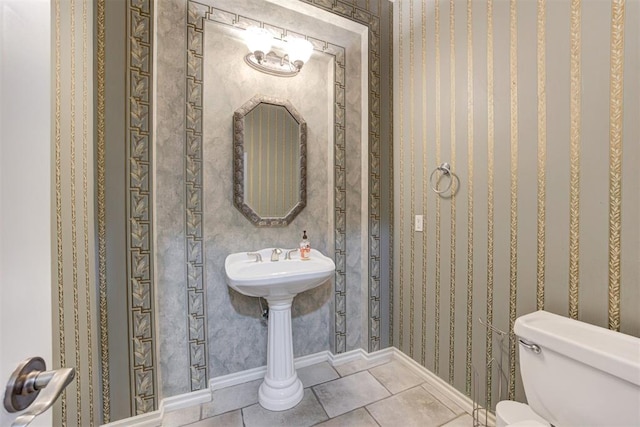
(286,277)
(278,282)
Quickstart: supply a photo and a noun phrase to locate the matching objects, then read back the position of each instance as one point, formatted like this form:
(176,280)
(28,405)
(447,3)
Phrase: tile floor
(353,394)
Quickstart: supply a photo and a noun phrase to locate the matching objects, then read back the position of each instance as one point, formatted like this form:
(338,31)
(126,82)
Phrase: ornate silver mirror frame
(239,172)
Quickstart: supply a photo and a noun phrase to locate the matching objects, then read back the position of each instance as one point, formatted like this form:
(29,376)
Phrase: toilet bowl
(511,414)
(574,374)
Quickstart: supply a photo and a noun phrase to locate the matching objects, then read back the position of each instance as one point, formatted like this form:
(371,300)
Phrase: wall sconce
(263,59)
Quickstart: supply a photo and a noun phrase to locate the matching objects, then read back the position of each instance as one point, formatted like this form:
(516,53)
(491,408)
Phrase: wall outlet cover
(419,223)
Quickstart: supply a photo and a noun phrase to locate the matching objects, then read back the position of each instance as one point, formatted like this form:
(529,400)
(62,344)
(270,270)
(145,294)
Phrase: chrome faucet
(255,254)
(275,254)
(289,252)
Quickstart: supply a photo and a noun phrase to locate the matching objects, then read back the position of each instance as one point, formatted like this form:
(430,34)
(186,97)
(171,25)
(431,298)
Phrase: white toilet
(574,374)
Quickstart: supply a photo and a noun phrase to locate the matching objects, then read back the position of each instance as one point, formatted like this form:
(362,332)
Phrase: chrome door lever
(30,386)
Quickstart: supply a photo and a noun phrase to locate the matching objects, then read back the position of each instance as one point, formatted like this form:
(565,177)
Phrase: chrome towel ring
(445,168)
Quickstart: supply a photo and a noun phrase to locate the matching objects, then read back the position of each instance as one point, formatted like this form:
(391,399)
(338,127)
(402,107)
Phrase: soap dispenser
(305,247)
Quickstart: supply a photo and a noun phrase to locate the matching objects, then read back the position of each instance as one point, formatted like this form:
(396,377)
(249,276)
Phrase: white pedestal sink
(278,282)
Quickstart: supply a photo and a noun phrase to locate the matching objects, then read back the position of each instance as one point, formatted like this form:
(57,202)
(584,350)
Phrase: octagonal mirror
(269,161)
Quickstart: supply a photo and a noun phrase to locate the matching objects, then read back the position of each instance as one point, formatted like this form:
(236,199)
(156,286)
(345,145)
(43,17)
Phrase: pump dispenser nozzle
(305,247)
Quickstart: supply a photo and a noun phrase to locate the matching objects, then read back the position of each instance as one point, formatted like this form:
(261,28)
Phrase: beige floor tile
(230,419)
(414,402)
(444,399)
(307,413)
(181,417)
(317,374)
(358,418)
(396,376)
(231,398)
(346,394)
(357,366)
(413,407)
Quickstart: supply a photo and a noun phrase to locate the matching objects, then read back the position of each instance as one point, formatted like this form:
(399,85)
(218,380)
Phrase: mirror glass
(269,156)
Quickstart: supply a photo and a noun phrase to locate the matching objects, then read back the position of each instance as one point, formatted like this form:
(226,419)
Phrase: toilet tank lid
(610,351)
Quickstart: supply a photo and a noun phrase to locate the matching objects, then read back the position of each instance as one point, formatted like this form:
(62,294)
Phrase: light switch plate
(419,223)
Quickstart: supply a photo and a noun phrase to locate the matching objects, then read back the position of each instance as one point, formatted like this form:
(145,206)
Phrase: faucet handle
(275,254)
(255,254)
(289,252)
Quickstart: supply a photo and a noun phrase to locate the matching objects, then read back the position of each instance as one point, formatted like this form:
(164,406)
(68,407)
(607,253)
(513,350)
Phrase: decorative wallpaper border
(101,208)
(470,194)
(194,236)
(425,185)
(401,173)
(58,197)
(490,198)
(197,13)
(452,199)
(616,109)
(139,207)
(513,217)
(574,152)
(391,197)
(541,48)
(370,18)
(438,135)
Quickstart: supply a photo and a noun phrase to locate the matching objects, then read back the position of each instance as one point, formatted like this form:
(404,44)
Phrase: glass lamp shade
(258,39)
(298,49)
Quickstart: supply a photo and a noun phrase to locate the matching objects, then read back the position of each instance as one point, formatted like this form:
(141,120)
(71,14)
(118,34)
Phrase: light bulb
(298,50)
(258,40)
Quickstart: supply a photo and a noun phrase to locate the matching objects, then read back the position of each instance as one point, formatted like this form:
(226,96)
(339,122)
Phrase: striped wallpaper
(76,334)
(529,104)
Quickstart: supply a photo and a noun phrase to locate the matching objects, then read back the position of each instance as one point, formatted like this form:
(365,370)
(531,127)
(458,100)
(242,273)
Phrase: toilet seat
(516,414)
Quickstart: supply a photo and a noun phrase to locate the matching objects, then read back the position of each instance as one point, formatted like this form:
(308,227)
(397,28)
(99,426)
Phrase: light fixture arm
(273,64)
(263,59)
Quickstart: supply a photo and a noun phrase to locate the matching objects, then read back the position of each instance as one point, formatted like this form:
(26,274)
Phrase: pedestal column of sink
(281,389)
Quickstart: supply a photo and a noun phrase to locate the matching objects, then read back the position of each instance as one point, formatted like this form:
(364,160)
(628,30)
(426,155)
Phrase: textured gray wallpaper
(228,231)
(235,335)
(159,84)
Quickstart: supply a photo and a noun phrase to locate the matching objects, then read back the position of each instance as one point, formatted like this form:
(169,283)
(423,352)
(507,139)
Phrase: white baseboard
(154,419)
(258,373)
(186,400)
(150,419)
(380,356)
(301,362)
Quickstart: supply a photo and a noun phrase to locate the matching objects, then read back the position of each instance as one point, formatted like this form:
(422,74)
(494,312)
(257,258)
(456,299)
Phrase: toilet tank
(584,375)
